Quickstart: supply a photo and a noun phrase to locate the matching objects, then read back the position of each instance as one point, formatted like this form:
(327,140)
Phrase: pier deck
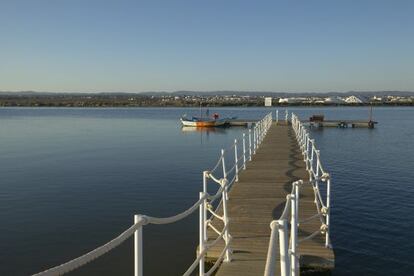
(259,197)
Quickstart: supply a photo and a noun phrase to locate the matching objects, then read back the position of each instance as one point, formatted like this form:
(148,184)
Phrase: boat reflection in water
(215,130)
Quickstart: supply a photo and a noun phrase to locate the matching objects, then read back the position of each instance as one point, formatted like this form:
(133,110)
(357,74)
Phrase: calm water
(72,179)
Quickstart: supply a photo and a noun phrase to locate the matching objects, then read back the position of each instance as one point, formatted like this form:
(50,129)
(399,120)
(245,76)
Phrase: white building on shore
(355,100)
(292,100)
(334,100)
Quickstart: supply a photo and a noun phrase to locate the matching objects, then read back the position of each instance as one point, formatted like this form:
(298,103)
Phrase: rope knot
(274,224)
(145,219)
(324,228)
(324,211)
(208,174)
(325,176)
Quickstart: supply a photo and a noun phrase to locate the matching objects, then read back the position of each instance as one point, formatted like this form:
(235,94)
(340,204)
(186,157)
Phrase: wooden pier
(325,123)
(342,123)
(241,122)
(259,197)
(252,194)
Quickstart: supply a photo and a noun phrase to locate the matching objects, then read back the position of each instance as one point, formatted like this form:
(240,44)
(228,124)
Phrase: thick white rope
(92,255)
(203,253)
(210,175)
(286,210)
(231,169)
(218,261)
(217,164)
(215,214)
(216,195)
(88,257)
(213,228)
(220,236)
(309,218)
(180,216)
(310,236)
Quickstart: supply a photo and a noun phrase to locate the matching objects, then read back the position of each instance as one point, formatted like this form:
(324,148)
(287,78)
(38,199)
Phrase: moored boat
(202,122)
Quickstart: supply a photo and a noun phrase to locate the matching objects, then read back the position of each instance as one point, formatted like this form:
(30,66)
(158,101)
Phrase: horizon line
(205,91)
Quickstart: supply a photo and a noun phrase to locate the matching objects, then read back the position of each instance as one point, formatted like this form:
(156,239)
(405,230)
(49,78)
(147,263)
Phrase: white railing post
(138,252)
(305,142)
(260,132)
(328,214)
(312,154)
(250,144)
(299,133)
(223,164)
(297,199)
(205,176)
(254,140)
(277,115)
(307,152)
(244,151)
(227,257)
(205,179)
(293,238)
(284,247)
(271,251)
(201,237)
(236,161)
(263,130)
(286,115)
(317,170)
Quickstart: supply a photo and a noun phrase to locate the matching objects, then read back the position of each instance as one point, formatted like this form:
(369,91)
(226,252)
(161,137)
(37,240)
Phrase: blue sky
(134,46)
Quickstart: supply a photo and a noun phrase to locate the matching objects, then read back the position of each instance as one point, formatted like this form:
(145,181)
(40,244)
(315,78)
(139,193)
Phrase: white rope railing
(92,255)
(316,172)
(288,242)
(204,205)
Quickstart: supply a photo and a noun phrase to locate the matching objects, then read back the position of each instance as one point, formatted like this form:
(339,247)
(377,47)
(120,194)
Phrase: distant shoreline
(75,105)
(174,100)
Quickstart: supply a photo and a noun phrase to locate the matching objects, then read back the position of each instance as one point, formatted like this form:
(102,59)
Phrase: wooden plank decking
(259,197)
